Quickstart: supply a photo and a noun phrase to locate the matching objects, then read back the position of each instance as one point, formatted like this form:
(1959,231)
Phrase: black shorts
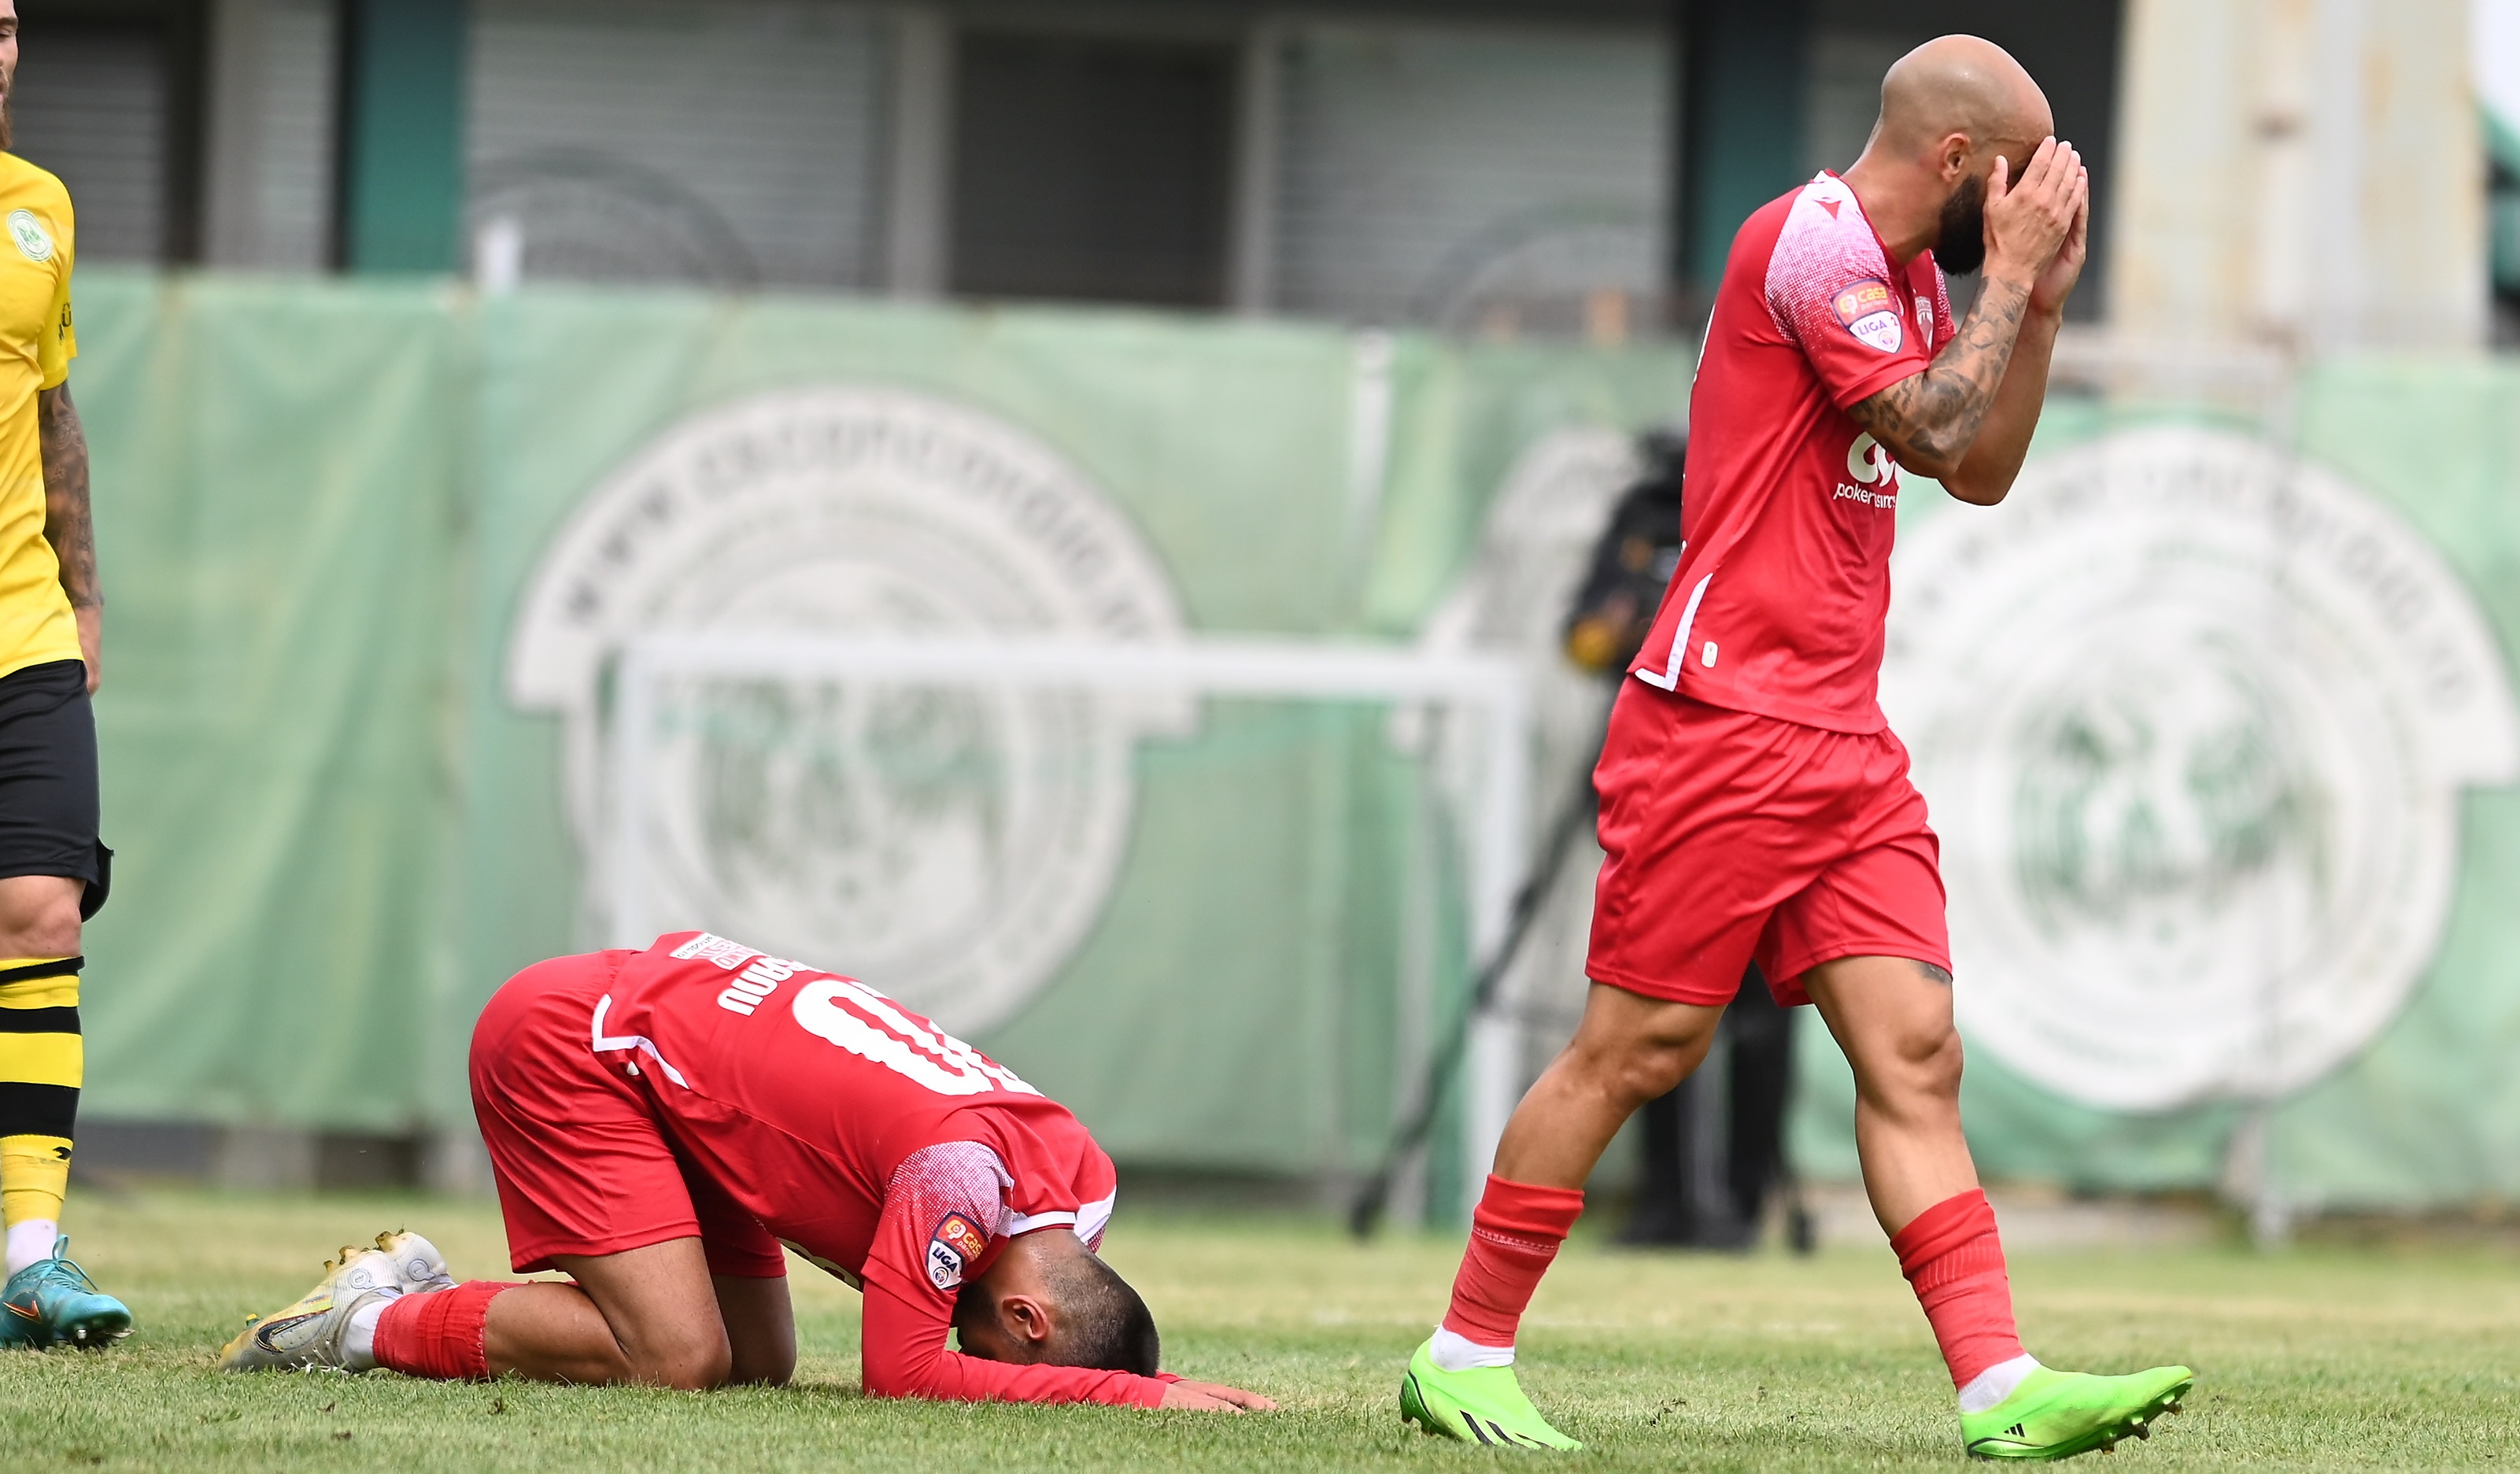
(48,798)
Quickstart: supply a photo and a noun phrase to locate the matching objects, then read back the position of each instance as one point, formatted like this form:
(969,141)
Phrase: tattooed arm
(68,525)
(1967,420)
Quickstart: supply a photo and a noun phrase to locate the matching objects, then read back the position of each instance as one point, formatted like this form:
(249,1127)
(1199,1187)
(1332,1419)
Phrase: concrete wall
(2299,174)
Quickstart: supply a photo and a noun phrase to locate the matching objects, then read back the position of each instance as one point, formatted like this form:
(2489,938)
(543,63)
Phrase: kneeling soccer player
(1754,803)
(659,1121)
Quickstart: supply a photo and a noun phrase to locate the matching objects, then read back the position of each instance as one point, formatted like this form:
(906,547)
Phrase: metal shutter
(734,142)
(294,180)
(268,164)
(1469,178)
(90,106)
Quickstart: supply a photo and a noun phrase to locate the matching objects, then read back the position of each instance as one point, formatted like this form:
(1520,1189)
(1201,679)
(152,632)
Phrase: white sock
(1995,1383)
(359,1338)
(1457,1353)
(30,1242)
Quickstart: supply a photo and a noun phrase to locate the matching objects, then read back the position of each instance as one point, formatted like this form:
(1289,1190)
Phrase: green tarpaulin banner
(2216,739)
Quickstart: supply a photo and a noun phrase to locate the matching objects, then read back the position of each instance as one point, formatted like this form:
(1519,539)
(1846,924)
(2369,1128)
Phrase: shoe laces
(61,1270)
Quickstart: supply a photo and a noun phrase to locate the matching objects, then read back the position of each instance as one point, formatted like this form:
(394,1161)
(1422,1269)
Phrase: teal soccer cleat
(53,1303)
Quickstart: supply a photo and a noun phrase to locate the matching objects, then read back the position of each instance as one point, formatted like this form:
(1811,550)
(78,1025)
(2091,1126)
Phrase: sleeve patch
(951,1248)
(1871,311)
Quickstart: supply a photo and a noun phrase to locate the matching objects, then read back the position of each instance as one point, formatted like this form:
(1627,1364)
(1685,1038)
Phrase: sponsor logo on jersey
(34,243)
(1925,316)
(1868,462)
(963,1233)
(716,950)
(1869,309)
(790,810)
(2194,718)
(951,1249)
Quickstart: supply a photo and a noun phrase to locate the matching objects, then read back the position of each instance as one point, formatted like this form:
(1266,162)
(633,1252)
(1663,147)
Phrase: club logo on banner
(2194,719)
(952,843)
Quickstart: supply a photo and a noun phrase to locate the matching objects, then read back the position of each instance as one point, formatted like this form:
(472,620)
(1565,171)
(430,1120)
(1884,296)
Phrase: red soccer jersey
(1784,575)
(865,1137)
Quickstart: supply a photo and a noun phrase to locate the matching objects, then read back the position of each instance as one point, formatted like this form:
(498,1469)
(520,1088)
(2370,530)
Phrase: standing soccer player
(1754,803)
(53,871)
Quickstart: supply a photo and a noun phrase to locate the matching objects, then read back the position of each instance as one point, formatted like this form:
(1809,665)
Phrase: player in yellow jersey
(53,871)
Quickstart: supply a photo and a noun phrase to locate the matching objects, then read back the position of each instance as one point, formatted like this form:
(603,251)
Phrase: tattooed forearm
(1929,419)
(67,524)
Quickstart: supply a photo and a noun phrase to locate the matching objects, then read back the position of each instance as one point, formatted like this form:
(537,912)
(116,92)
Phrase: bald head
(1962,85)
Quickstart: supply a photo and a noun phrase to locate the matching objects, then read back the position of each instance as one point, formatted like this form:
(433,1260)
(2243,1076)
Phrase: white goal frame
(1494,686)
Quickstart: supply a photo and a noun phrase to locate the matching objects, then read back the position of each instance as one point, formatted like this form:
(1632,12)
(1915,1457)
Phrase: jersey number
(908,1046)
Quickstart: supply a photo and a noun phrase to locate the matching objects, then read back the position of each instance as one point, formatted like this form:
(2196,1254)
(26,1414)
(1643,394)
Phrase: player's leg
(1893,1017)
(760,1330)
(52,877)
(648,1315)
(42,1057)
(1627,1051)
(1692,867)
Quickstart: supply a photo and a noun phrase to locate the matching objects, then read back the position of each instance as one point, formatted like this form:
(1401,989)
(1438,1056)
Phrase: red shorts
(582,1165)
(1732,838)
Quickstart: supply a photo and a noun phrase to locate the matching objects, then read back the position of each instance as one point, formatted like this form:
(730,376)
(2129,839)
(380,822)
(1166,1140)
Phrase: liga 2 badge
(952,1248)
(34,243)
(1869,309)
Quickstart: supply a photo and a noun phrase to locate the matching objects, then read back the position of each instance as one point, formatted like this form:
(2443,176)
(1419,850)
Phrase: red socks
(1513,1235)
(439,1334)
(1952,1256)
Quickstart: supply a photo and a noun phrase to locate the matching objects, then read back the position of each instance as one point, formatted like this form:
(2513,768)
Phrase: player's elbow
(1977,491)
(883,1384)
(1922,459)
(770,1368)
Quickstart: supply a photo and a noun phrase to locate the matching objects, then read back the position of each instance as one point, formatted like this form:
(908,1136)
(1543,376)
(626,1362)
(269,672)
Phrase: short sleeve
(1831,293)
(943,1214)
(944,1220)
(58,343)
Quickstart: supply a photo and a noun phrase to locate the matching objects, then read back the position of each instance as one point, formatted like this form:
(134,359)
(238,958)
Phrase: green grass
(2337,1359)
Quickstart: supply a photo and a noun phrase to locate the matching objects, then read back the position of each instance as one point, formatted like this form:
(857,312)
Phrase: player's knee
(692,1362)
(1633,1071)
(44,924)
(1927,1062)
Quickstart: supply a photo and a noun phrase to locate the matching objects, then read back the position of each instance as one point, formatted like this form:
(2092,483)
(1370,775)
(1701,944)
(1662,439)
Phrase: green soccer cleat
(53,1303)
(307,1334)
(2057,1415)
(1484,1404)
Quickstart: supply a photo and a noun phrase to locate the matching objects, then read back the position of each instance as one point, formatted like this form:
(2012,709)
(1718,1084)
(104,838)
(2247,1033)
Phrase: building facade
(1495,167)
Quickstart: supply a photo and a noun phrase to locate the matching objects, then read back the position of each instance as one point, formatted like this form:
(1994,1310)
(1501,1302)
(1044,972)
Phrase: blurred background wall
(376,291)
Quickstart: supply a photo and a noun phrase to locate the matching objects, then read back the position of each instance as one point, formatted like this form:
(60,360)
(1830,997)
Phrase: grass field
(2307,1359)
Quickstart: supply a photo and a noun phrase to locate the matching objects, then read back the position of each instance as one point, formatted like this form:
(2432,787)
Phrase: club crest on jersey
(1871,311)
(34,243)
(951,1249)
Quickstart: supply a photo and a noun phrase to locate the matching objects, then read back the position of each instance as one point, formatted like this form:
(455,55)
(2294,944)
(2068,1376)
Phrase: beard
(8,114)
(1959,245)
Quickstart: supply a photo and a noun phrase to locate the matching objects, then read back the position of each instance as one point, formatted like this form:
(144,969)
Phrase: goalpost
(1492,689)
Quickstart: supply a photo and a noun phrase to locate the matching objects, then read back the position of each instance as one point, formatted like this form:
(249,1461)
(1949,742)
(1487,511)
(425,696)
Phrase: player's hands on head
(2029,220)
(1214,1397)
(2055,284)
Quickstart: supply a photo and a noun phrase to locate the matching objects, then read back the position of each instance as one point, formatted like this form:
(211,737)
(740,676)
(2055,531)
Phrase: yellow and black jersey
(36,346)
